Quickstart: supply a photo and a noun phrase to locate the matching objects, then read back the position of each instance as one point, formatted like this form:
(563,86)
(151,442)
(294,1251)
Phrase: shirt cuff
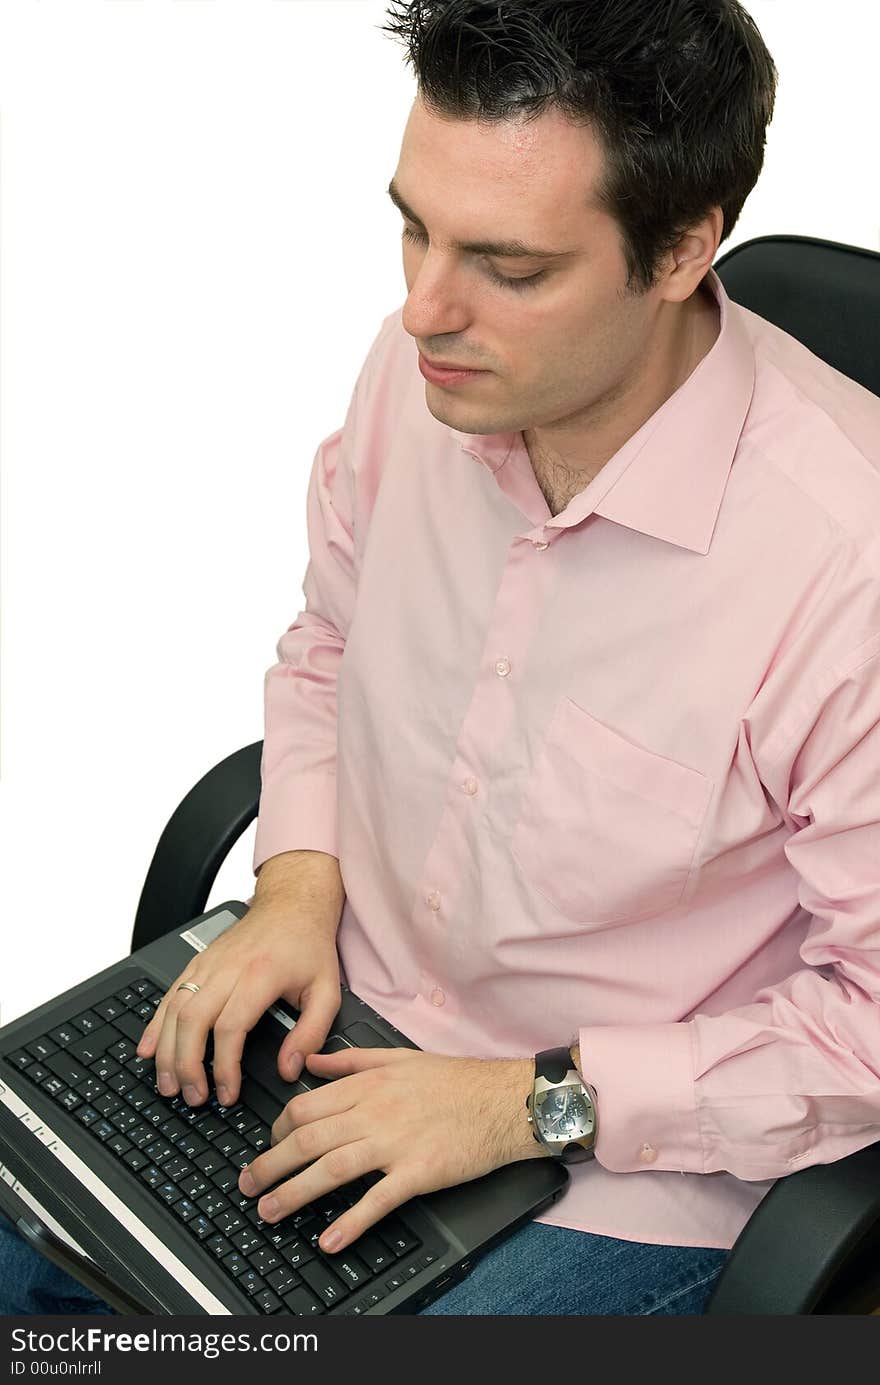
(645,1096)
(297,814)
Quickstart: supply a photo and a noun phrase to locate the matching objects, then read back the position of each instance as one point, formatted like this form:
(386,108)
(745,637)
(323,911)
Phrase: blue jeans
(590,1275)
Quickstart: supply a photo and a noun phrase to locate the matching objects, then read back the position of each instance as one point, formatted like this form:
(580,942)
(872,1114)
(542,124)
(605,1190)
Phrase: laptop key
(141,1134)
(168,1192)
(245,1240)
(373,1252)
(251,1282)
(131,1025)
(269,1302)
(135,1159)
(152,1176)
(159,1150)
(218,1245)
(259,1138)
(140,1067)
(229,1144)
(209,1162)
(70,1101)
(240,1119)
(63,1065)
(192,1145)
(302,1302)
(351,1270)
(94,1044)
(106,1103)
(229,1221)
(53,1085)
(105,1067)
(396,1236)
(109,1009)
(185,1209)
(41,1048)
(264,1260)
(139,1096)
(20,1059)
(155,1113)
(64,1034)
(90,1088)
(212,1203)
(88,1115)
(235,1263)
(121,1082)
(283,1279)
(123,1050)
(125,1120)
(88,1022)
(195,1185)
(225,1178)
(322,1281)
(201,1227)
(119,1144)
(297,1254)
(37,1073)
(103,1129)
(178,1169)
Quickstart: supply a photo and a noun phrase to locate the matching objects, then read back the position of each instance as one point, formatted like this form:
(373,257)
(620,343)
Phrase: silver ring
(188,986)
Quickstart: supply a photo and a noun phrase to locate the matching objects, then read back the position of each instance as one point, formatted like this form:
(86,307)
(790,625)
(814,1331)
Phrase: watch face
(563,1113)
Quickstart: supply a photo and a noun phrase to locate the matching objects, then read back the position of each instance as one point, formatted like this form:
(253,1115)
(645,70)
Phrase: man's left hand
(425,1120)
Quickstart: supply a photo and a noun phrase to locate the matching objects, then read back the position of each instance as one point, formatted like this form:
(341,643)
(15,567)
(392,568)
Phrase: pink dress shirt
(612,775)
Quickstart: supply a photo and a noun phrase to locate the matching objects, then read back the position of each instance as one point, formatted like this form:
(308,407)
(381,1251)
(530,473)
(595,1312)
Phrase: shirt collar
(669,479)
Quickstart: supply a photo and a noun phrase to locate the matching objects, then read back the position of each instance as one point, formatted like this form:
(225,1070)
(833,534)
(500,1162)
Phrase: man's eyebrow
(504,249)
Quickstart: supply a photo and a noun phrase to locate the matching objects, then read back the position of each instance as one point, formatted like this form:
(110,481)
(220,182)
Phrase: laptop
(136,1195)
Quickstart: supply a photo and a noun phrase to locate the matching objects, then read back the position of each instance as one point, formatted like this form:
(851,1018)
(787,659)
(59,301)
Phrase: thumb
(318,1006)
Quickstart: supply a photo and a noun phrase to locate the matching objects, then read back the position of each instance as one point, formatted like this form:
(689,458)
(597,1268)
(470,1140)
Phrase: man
(574,746)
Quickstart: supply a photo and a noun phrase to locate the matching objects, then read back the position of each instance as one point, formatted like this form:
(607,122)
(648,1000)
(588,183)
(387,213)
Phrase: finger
(150,1037)
(192,1014)
(349,1060)
(382,1198)
(253,993)
(318,1005)
(334,1169)
(310,1142)
(316,1105)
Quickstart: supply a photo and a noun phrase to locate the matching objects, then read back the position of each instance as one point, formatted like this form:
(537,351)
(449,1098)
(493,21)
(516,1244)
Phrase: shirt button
(433,899)
(437,997)
(540,545)
(470,786)
(647,1154)
(502,668)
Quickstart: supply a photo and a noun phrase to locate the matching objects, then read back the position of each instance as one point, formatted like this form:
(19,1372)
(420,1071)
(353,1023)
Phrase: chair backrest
(825,294)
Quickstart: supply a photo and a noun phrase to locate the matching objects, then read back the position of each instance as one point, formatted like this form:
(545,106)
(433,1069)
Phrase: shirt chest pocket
(607,831)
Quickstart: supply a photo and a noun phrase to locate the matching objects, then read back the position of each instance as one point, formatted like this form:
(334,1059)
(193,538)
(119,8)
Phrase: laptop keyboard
(190,1158)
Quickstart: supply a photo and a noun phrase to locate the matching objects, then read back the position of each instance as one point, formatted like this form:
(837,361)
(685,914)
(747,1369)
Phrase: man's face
(561,353)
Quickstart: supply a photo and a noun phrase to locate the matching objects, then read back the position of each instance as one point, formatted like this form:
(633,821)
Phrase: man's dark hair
(679,94)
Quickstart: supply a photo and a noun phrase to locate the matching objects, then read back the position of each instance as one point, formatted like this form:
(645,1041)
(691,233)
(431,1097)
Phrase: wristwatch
(562,1108)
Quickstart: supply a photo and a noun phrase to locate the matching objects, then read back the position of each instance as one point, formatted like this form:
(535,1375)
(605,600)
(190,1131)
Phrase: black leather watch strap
(553,1063)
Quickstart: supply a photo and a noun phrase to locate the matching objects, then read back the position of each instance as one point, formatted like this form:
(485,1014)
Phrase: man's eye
(496,278)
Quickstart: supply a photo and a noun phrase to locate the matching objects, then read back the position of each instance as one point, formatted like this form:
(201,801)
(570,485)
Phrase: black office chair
(813,1243)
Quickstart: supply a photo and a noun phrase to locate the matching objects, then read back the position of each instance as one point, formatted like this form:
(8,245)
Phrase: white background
(196,251)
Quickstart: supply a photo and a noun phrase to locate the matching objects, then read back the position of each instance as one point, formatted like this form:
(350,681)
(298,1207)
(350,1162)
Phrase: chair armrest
(794,1253)
(198,837)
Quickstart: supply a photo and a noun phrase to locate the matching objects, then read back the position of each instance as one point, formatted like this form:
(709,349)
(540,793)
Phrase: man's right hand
(275,951)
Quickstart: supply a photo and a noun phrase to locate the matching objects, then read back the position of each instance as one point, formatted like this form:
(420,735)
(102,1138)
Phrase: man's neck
(561,479)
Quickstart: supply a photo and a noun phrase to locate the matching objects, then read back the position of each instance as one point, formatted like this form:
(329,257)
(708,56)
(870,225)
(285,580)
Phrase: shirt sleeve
(298,764)
(792,1079)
